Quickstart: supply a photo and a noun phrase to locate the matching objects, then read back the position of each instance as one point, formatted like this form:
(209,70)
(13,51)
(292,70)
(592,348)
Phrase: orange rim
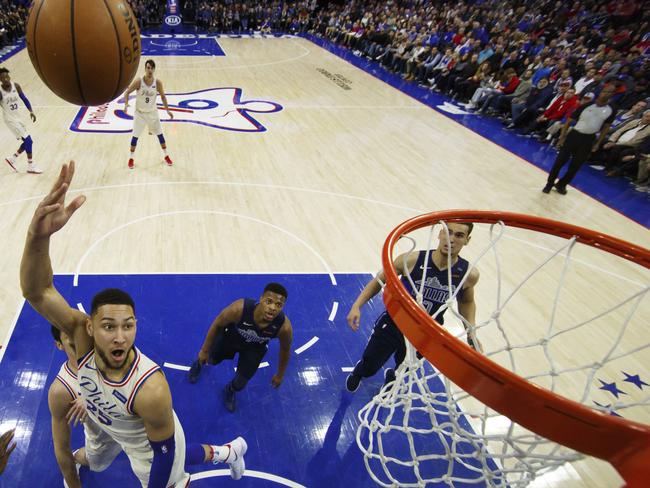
(623,443)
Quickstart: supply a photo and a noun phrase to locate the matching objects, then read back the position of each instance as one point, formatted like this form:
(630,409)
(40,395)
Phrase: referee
(578,144)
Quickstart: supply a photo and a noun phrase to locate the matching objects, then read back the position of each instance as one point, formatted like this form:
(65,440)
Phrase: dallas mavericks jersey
(9,102)
(69,380)
(145,100)
(436,289)
(110,403)
(251,333)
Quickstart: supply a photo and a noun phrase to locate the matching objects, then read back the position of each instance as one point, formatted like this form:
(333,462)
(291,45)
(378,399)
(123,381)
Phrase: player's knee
(27,142)
(97,465)
(134,141)
(161,139)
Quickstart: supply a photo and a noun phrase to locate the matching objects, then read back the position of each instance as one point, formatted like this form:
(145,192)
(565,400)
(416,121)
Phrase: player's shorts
(151,120)
(227,343)
(102,449)
(17,128)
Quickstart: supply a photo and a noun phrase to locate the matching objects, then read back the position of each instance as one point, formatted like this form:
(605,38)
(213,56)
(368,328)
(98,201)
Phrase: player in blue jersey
(245,327)
(386,339)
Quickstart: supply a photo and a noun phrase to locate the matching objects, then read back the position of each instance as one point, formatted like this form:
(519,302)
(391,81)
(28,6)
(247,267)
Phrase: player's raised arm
(163,97)
(36,268)
(403,264)
(285,335)
(153,404)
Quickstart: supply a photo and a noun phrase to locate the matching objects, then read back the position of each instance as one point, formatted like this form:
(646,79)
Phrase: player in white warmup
(10,93)
(147,89)
(126,394)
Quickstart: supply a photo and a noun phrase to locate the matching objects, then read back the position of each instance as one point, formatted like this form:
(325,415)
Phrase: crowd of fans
(13,18)
(530,63)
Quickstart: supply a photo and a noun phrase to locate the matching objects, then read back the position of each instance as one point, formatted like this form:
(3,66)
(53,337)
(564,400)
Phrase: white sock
(222,453)
(29,161)
(164,151)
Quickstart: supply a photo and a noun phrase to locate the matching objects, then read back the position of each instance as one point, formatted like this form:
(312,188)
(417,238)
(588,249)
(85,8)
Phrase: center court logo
(219,108)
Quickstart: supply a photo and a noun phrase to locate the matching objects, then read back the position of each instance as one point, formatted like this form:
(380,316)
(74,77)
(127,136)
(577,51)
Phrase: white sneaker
(33,169)
(11,161)
(235,460)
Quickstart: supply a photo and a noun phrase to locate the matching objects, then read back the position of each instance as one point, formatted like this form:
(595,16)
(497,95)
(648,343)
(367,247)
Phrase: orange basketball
(85,51)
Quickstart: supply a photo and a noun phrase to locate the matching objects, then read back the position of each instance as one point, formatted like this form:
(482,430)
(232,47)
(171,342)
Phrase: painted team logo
(219,108)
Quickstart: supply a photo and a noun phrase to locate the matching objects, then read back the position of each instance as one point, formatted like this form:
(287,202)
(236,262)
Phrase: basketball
(86,52)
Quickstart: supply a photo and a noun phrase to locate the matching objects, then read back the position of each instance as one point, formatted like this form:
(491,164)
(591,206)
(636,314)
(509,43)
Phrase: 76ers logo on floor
(219,108)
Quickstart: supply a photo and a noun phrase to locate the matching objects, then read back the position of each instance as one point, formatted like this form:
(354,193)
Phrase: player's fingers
(47,209)
(70,173)
(74,205)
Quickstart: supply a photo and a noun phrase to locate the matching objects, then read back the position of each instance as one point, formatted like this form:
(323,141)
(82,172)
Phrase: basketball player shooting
(10,92)
(125,392)
(147,89)
(386,338)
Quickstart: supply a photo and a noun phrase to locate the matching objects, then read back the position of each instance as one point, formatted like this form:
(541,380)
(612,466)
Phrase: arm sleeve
(163,460)
(26,102)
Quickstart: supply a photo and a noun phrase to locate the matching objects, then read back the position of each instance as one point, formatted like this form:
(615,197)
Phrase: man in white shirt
(578,143)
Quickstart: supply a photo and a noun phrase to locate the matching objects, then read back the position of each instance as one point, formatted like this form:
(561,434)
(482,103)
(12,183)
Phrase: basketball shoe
(168,161)
(131,163)
(235,459)
(11,161)
(33,169)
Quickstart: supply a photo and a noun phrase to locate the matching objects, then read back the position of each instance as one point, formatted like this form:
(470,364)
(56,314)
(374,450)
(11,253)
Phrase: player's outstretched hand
(52,214)
(276,381)
(31,114)
(77,412)
(353,318)
(5,448)
(171,115)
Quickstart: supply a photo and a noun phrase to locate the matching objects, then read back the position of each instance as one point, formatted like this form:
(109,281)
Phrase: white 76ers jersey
(69,380)
(110,403)
(10,102)
(145,100)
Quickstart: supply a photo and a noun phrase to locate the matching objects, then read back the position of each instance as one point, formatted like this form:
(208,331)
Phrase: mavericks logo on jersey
(219,108)
(435,293)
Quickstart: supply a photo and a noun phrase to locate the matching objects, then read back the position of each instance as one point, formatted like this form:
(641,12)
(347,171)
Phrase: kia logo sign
(172,20)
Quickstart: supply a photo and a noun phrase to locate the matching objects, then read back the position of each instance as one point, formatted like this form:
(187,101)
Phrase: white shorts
(151,120)
(102,449)
(17,128)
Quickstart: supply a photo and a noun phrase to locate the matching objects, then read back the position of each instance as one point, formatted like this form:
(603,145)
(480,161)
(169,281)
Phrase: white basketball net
(424,430)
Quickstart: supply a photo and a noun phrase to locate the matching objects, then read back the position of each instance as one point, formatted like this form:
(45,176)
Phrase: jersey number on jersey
(101,416)
(13,106)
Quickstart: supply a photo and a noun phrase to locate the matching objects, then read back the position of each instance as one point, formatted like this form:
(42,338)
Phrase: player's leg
(231,453)
(31,166)
(247,365)
(156,128)
(381,345)
(138,126)
(222,348)
(100,449)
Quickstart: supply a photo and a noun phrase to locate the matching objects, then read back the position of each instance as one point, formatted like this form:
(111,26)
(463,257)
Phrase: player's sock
(220,454)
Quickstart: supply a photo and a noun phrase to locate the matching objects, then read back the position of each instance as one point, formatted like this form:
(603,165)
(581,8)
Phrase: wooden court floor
(336,160)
